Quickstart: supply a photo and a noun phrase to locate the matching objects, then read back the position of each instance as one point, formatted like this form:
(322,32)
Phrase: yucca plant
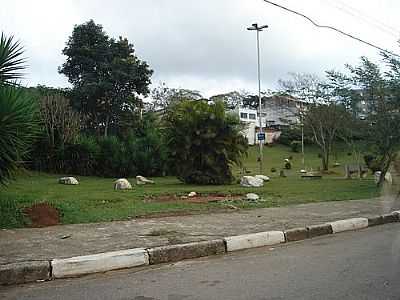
(18,111)
(11,60)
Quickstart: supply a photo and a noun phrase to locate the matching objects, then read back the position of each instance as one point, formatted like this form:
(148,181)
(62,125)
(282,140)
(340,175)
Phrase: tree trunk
(325,160)
(106,126)
(384,168)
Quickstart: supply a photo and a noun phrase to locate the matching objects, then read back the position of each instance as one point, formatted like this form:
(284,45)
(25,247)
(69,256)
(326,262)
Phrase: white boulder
(143,180)
(122,184)
(251,181)
(252,197)
(263,177)
(68,180)
(192,194)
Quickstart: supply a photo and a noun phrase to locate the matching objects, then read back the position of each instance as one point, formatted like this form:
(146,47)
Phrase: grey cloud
(200,45)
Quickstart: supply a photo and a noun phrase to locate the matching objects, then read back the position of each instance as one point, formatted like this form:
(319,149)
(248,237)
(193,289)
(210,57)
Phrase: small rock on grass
(192,194)
(263,177)
(252,197)
(122,184)
(68,180)
(250,181)
(143,180)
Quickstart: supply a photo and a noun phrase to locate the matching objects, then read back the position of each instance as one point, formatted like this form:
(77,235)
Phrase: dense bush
(141,151)
(295,146)
(372,162)
(81,158)
(289,134)
(203,141)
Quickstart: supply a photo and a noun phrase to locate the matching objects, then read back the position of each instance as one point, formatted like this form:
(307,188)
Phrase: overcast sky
(203,44)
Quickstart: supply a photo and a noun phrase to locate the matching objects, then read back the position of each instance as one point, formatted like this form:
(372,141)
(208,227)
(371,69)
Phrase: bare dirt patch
(200,198)
(42,214)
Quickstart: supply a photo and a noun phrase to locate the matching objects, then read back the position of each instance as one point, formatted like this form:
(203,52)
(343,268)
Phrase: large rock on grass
(122,184)
(143,180)
(263,177)
(68,180)
(251,181)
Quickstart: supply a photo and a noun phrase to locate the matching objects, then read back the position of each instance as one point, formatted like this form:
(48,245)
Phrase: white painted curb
(349,224)
(253,240)
(101,262)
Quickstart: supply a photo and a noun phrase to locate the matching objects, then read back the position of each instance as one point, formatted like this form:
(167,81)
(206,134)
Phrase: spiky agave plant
(18,111)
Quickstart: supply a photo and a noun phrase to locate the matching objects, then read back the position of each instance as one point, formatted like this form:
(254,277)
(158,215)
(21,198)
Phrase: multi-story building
(276,112)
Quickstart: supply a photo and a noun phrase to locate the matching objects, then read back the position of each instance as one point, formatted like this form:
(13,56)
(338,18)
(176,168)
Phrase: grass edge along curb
(31,271)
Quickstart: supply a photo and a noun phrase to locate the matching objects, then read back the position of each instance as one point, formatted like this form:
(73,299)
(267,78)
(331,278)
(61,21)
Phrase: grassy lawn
(94,199)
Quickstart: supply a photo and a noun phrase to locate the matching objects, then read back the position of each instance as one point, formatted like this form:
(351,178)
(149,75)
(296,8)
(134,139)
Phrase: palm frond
(18,128)
(11,62)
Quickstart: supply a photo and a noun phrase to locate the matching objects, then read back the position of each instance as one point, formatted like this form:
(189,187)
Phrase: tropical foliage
(18,111)
(204,141)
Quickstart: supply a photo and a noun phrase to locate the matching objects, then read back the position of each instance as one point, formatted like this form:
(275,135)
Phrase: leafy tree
(203,141)
(303,86)
(231,99)
(107,76)
(324,122)
(251,101)
(18,111)
(379,93)
(164,96)
(321,116)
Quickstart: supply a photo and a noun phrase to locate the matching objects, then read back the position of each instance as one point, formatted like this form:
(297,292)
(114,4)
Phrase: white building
(276,112)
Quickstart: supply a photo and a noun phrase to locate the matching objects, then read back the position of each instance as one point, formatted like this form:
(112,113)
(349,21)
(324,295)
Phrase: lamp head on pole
(255,26)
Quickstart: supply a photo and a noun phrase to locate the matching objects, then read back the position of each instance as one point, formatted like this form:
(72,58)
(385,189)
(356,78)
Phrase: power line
(377,21)
(332,28)
(358,14)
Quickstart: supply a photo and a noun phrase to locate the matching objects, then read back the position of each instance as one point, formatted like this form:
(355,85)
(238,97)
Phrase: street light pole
(258,29)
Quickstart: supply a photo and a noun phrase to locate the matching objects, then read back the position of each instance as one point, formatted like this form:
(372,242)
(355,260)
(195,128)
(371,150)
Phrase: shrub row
(107,156)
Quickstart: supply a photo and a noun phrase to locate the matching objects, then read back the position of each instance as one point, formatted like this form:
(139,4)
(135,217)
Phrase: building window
(252,116)
(243,115)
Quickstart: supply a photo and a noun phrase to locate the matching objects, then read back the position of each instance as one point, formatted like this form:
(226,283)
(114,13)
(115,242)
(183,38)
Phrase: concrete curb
(260,239)
(30,271)
(23,272)
(349,224)
(296,234)
(102,262)
(179,252)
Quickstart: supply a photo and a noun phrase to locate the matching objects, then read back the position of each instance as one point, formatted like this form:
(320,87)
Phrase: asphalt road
(354,265)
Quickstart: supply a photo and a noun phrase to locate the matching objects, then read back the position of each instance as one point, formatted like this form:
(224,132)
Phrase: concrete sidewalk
(80,239)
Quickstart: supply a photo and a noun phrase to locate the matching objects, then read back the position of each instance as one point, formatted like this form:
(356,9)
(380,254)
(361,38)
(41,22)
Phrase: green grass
(94,199)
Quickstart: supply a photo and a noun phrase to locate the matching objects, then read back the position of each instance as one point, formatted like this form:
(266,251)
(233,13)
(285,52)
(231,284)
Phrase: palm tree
(18,111)
(204,141)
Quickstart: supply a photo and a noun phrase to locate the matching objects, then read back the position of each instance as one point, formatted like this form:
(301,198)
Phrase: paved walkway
(80,239)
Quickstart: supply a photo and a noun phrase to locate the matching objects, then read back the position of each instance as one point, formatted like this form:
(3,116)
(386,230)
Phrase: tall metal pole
(302,144)
(302,135)
(261,142)
(259,101)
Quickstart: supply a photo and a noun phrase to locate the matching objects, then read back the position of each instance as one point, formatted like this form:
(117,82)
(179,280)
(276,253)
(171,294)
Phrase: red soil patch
(42,214)
(196,199)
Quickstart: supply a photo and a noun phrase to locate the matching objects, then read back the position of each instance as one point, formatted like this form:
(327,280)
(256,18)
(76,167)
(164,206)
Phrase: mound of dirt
(42,214)
(196,199)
